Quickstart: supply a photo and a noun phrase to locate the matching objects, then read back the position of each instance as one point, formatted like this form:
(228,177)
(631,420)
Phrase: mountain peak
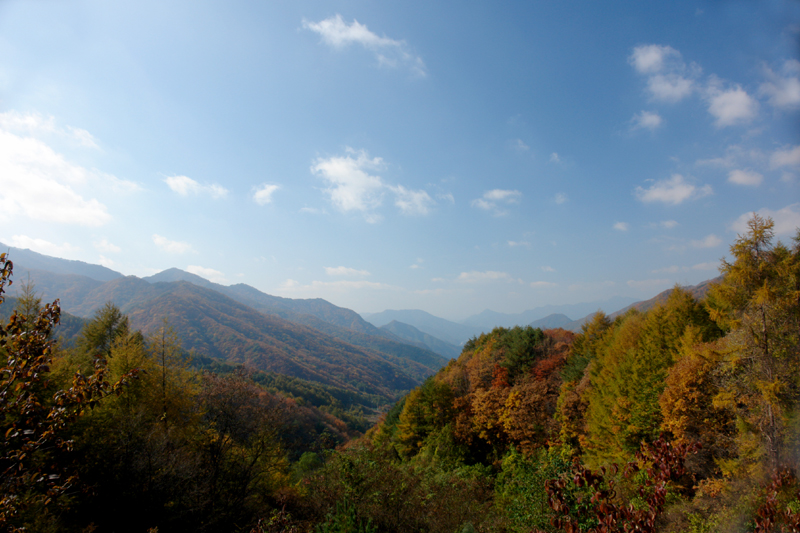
(176,274)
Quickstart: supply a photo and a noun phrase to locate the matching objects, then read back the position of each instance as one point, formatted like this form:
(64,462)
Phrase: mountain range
(380,354)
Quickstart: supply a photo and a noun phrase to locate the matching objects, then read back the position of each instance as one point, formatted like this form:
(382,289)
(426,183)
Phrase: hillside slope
(217,326)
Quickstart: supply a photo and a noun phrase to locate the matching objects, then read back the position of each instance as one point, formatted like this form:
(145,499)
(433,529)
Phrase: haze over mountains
(380,354)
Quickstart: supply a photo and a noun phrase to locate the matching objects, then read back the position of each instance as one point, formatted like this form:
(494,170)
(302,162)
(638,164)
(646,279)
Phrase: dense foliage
(681,418)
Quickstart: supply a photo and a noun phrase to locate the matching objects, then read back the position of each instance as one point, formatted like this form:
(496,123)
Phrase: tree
(33,417)
(758,302)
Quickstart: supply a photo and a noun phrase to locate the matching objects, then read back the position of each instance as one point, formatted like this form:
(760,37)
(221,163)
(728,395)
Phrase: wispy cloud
(670,80)
(214,276)
(560,198)
(496,199)
(668,224)
(554,158)
(41,184)
(711,241)
(782,90)
(667,79)
(648,120)
(674,269)
(673,190)
(411,202)
(787,220)
(514,244)
(338,34)
(745,177)
(263,193)
(543,284)
(489,275)
(653,58)
(353,185)
(345,271)
(548,269)
(340,286)
(172,247)
(621,226)
(185,186)
(42,245)
(789,157)
(518,144)
(35,123)
(106,247)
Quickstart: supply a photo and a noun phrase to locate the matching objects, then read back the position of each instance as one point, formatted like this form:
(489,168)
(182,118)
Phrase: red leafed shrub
(586,501)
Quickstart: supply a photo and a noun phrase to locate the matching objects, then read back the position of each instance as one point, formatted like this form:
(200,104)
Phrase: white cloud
(665,71)
(34,123)
(341,286)
(214,276)
(494,200)
(652,58)
(732,106)
(676,269)
(263,194)
(489,275)
(411,202)
(554,158)
(107,247)
(350,186)
(669,87)
(782,91)
(83,137)
(560,198)
(335,32)
(621,226)
(30,123)
(39,183)
(668,224)
(548,269)
(447,197)
(514,244)
(41,245)
(543,284)
(172,247)
(646,120)
(106,262)
(345,271)
(785,158)
(673,190)
(185,186)
(711,241)
(745,177)
(520,145)
(787,220)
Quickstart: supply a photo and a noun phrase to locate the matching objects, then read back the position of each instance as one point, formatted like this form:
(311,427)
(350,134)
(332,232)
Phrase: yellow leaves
(770,391)
(725,399)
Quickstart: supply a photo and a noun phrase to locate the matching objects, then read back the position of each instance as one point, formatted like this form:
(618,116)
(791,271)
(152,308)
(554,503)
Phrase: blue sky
(443,156)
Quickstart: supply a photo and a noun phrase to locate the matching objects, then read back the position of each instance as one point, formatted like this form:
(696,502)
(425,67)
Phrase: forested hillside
(684,417)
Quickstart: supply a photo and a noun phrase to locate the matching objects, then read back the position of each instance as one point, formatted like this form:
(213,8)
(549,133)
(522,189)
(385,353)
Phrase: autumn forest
(682,418)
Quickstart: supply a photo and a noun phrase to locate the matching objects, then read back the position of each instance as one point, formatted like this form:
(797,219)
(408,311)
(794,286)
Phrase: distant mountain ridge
(30,260)
(412,334)
(309,339)
(440,328)
(491,319)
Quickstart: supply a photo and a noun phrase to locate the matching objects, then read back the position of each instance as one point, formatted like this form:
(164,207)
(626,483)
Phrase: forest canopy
(681,418)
